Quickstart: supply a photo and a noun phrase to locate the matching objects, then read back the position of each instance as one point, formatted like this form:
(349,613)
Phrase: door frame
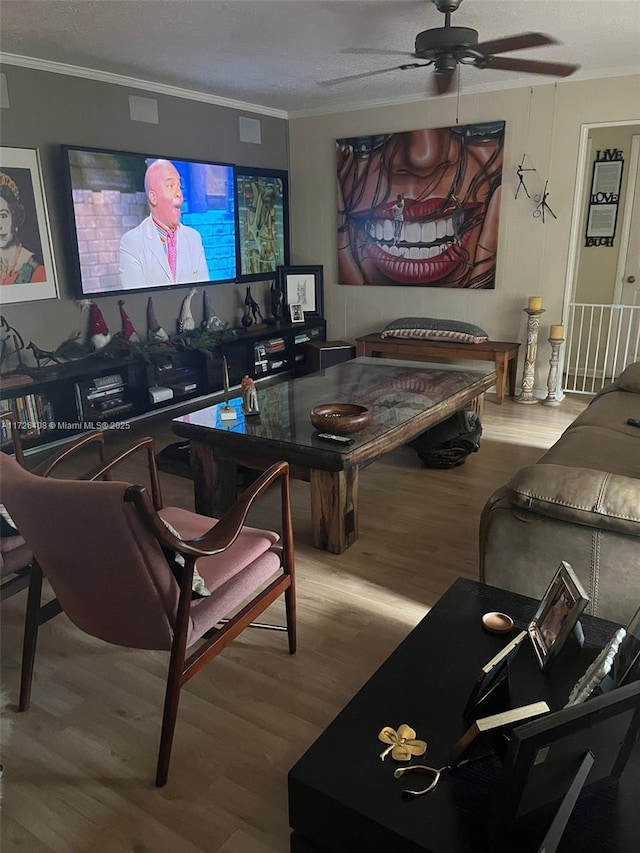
(575,233)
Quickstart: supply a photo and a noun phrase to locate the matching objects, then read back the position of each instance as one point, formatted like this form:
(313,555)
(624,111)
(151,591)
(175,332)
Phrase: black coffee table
(344,799)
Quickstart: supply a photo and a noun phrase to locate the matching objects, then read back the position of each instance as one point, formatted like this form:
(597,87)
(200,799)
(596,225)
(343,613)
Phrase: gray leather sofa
(579,503)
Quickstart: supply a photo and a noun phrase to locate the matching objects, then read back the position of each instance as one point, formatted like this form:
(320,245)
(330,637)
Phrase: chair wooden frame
(220,537)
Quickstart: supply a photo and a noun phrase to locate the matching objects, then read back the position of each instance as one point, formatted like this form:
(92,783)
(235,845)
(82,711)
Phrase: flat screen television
(120,248)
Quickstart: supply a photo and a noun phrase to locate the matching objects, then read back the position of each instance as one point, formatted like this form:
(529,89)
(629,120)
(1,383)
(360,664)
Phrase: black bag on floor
(448,444)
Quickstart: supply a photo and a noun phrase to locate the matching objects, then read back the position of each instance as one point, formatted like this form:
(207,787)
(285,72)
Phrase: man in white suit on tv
(161,250)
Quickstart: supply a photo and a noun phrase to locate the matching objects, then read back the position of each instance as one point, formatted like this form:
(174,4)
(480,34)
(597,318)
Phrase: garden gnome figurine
(210,321)
(155,332)
(128,331)
(249,396)
(186,323)
(99,335)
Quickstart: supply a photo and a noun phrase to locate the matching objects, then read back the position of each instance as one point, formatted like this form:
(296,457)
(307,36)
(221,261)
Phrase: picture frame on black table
(493,679)
(557,615)
(551,760)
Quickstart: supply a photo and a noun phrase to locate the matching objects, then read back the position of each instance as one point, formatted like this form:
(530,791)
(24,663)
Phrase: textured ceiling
(274,53)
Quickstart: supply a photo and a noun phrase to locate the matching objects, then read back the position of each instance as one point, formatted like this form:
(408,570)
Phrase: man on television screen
(161,250)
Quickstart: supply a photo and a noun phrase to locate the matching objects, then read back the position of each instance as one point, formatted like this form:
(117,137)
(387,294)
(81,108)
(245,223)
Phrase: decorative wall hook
(520,170)
(541,200)
(403,743)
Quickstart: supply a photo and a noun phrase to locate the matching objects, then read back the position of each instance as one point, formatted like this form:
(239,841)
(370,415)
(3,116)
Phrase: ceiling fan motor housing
(429,43)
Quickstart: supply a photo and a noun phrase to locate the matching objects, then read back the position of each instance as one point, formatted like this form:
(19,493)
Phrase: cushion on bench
(433,329)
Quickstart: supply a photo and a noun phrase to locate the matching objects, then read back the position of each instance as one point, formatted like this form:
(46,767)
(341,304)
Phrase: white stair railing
(602,340)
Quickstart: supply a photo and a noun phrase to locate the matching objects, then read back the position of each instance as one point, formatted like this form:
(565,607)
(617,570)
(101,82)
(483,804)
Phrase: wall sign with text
(605,197)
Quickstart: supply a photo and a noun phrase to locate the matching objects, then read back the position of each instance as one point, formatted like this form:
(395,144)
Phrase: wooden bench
(503,353)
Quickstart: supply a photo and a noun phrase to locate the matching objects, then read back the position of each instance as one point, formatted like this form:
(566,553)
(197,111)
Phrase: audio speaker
(322,354)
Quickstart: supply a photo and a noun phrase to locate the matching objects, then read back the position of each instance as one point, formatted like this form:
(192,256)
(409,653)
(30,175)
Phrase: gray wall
(47,110)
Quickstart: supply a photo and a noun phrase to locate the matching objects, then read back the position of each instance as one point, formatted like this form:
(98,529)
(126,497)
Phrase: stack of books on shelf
(274,345)
(275,348)
(33,413)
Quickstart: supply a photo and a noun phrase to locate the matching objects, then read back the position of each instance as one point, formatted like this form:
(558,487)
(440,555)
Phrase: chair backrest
(105,567)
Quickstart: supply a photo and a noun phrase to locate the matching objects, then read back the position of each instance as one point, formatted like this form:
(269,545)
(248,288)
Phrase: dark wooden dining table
(405,398)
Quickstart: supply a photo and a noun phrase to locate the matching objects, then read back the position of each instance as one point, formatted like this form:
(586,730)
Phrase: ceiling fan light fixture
(445,63)
(444,48)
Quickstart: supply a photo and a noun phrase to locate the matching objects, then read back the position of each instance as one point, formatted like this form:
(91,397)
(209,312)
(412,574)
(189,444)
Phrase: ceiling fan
(447,47)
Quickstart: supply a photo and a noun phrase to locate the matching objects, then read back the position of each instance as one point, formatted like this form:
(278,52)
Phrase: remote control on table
(341,439)
(633,422)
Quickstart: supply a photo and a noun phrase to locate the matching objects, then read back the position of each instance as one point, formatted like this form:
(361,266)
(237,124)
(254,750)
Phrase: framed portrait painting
(27,269)
(420,208)
(262,211)
(302,285)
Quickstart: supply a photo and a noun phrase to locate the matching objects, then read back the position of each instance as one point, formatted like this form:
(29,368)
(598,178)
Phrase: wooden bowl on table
(340,418)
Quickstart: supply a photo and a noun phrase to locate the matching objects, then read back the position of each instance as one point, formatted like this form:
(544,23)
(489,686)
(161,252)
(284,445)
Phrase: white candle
(535,303)
(557,332)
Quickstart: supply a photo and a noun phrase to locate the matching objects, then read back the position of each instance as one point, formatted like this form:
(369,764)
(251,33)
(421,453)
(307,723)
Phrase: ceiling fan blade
(443,81)
(372,51)
(350,77)
(530,66)
(519,42)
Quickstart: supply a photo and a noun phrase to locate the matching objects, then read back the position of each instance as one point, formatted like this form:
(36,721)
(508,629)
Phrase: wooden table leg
(501,364)
(334,509)
(477,405)
(512,370)
(215,481)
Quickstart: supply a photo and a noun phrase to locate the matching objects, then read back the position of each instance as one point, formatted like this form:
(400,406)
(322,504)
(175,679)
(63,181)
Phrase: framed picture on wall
(302,286)
(420,207)
(27,269)
(262,215)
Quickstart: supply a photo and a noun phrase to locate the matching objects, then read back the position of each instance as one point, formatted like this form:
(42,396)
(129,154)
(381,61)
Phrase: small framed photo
(302,286)
(556,617)
(493,676)
(296,313)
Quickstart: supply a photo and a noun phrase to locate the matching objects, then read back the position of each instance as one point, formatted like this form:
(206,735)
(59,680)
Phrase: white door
(628,284)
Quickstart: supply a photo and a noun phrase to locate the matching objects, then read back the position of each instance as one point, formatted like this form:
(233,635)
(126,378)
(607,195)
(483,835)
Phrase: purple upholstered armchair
(107,547)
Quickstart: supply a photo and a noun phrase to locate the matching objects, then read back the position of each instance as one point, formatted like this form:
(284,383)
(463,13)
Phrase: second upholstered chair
(112,554)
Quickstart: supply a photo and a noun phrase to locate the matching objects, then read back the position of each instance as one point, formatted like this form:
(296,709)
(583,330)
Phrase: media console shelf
(60,401)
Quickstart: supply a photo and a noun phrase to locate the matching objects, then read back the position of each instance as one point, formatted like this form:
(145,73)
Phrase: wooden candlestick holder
(528,375)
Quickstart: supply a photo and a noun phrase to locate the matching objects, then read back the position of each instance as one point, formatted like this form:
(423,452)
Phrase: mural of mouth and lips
(450,181)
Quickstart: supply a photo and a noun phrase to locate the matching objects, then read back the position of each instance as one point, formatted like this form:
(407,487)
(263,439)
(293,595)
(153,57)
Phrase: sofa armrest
(578,495)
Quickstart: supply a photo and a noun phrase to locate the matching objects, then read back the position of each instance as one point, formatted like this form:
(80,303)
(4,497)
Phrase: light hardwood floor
(79,766)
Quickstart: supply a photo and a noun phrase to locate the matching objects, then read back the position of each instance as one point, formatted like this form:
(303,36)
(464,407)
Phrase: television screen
(142,222)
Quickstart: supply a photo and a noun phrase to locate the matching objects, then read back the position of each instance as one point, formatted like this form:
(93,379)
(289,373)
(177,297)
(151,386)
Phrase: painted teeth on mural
(417,241)
(417,254)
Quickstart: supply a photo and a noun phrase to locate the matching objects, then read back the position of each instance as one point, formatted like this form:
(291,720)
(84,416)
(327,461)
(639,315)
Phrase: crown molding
(518,83)
(134,83)
(178,92)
